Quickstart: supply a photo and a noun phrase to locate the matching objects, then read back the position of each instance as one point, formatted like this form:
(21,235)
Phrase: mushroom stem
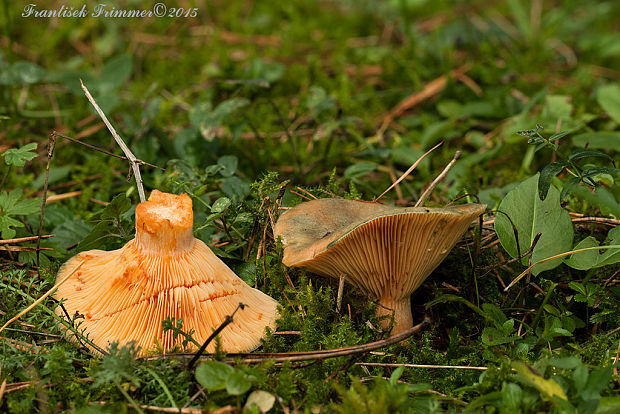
(401,308)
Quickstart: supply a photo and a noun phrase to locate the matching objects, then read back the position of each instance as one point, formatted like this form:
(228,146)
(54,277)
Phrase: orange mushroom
(385,251)
(125,294)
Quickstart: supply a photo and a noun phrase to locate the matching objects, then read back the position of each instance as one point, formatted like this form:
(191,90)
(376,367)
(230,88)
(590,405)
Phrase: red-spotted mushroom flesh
(385,251)
(125,294)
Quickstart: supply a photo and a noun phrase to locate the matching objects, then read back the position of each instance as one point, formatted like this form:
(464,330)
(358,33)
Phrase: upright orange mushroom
(385,251)
(125,294)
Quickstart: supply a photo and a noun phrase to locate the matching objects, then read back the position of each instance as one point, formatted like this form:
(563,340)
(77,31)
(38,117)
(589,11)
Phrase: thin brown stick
(406,173)
(436,181)
(381,364)
(248,358)
(50,154)
(23,248)
(60,197)
(96,148)
(133,161)
(340,292)
(25,239)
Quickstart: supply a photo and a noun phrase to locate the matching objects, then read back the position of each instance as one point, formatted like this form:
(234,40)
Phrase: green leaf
(511,395)
(580,377)
(359,170)
(531,216)
(587,153)
(229,165)
(213,375)
(608,97)
(597,381)
(608,405)
(115,72)
(577,287)
(565,363)
(27,73)
(602,139)
(18,157)
(97,236)
(117,206)
(546,175)
(220,205)
(237,383)
(547,387)
(592,258)
(494,336)
(235,188)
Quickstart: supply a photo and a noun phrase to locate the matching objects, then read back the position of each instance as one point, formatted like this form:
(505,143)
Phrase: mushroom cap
(385,251)
(125,294)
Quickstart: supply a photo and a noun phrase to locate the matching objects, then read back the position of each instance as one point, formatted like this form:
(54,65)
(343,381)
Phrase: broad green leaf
(229,165)
(493,336)
(580,377)
(359,170)
(608,405)
(608,97)
(235,188)
(117,206)
(531,216)
(19,156)
(27,73)
(597,381)
(565,363)
(511,395)
(237,383)
(547,387)
(592,258)
(602,139)
(115,72)
(213,375)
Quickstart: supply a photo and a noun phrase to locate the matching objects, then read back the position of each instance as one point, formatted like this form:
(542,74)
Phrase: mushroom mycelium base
(124,295)
(385,251)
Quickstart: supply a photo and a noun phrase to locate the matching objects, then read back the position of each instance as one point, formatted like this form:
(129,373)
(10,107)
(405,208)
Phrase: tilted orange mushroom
(385,251)
(125,294)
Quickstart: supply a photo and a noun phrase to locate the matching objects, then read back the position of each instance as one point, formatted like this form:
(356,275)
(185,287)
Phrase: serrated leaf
(19,156)
(577,287)
(494,336)
(213,375)
(117,206)
(531,216)
(608,97)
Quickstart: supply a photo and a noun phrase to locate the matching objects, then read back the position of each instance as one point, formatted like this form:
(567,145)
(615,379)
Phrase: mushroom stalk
(400,308)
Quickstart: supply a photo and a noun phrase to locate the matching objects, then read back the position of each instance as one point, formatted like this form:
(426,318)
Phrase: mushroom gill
(125,294)
(385,251)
